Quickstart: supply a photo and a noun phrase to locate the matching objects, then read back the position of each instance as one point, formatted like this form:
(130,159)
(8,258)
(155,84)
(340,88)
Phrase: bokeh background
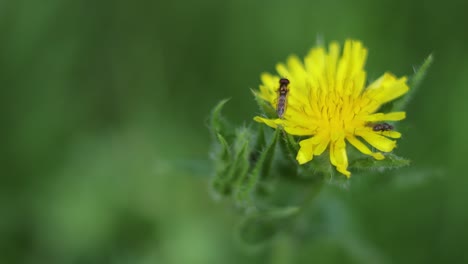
(105,146)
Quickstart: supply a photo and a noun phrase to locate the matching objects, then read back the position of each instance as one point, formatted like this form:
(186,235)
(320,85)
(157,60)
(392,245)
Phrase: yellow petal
(358,84)
(283,71)
(298,98)
(315,62)
(268,88)
(269,122)
(291,127)
(296,68)
(387,79)
(264,94)
(392,134)
(340,152)
(350,74)
(322,145)
(332,59)
(344,171)
(300,117)
(299,131)
(306,152)
(338,156)
(363,148)
(270,81)
(379,142)
(386,88)
(393,116)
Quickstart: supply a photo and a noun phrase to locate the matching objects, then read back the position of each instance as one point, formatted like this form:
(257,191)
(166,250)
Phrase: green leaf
(218,124)
(222,158)
(264,106)
(230,171)
(290,147)
(224,151)
(286,164)
(267,156)
(414,83)
(246,186)
(391,161)
(227,175)
(260,142)
(260,227)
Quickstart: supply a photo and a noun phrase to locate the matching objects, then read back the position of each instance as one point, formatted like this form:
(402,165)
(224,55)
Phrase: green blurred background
(105,144)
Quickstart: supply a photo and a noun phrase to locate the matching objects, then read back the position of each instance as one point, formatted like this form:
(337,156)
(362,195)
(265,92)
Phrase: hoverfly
(382,127)
(282,97)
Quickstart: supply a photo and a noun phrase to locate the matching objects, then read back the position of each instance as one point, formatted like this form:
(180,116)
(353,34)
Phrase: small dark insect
(382,127)
(282,97)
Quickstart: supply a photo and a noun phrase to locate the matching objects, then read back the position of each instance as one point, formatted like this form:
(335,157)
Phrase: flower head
(327,102)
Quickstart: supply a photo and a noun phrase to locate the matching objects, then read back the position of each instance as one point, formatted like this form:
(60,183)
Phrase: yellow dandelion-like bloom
(326,100)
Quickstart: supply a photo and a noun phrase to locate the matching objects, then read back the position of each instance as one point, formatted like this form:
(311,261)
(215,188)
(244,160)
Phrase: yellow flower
(327,101)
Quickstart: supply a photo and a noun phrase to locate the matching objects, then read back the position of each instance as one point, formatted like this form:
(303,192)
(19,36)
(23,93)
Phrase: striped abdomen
(281,107)
(282,97)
